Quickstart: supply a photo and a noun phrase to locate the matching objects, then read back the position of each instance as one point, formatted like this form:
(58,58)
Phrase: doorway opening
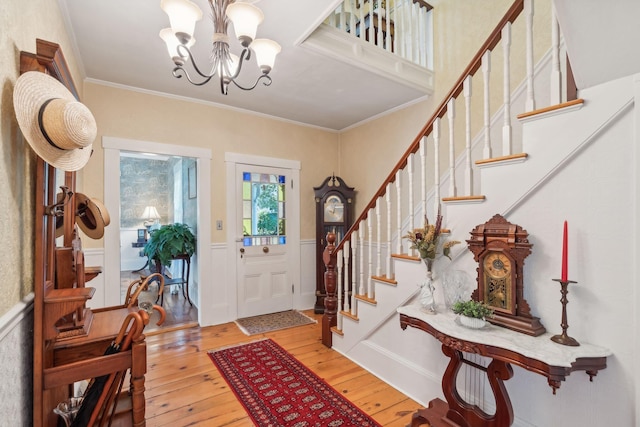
(188,175)
(157,190)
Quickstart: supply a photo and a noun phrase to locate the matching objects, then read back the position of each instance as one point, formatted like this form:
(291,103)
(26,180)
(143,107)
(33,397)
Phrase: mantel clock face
(333,209)
(500,249)
(498,281)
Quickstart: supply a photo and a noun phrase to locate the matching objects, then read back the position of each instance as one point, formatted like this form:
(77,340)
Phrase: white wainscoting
(16,353)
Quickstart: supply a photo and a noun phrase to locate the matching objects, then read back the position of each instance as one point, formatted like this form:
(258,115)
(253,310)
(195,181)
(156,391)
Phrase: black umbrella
(95,395)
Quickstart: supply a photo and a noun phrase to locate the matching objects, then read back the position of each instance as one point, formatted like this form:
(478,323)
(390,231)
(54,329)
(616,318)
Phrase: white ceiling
(117,43)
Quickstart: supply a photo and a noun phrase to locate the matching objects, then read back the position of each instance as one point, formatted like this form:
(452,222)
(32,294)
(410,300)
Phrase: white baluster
(387,14)
(530,103)
(371,30)
(379,37)
(466,87)
(347,278)
(412,223)
(352,18)
(389,273)
(332,20)
(486,71)
(403,29)
(339,288)
(354,281)
(436,162)
(361,289)
(370,268)
(379,239)
(415,31)
(398,213)
(396,28)
(343,20)
(424,35)
(451,115)
(361,33)
(506,126)
(423,174)
(556,74)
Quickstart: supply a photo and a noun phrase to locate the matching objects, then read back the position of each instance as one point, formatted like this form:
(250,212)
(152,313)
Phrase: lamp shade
(246,18)
(266,51)
(183,15)
(150,212)
(172,42)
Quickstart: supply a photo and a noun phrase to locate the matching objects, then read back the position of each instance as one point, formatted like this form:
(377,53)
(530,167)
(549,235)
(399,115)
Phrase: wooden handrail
(492,41)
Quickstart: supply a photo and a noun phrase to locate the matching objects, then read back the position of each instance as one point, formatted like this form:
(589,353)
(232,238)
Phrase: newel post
(329,319)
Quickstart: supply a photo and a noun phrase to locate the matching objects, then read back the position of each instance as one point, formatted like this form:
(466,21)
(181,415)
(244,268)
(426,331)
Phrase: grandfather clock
(334,212)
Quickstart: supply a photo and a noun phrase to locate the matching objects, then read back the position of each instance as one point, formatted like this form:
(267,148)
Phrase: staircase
(498,171)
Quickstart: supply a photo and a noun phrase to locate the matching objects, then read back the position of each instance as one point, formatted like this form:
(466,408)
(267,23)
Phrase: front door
(264,281)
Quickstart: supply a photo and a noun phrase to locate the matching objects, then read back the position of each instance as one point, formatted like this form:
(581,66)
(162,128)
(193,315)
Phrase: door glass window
(263,209)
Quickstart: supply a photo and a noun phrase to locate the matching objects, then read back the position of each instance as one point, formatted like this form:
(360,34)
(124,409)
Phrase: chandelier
(245,17)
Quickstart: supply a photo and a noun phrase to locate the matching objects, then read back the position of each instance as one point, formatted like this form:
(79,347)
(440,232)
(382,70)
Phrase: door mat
(273,322)
(277,390)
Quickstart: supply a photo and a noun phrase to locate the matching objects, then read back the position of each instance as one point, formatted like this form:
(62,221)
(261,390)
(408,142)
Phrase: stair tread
(509,158)
(560,106)
(406,257)
(464,199)
(367,299)
(384,279)
(349,315)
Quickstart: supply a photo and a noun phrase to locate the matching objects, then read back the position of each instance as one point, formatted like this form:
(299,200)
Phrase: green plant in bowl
(471,308)
(169,241)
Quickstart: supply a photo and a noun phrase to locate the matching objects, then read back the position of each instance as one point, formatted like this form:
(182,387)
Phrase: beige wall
(372,149)
(21,22)
(134,115)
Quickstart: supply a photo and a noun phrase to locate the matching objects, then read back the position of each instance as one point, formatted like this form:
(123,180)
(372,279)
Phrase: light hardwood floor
(183,386)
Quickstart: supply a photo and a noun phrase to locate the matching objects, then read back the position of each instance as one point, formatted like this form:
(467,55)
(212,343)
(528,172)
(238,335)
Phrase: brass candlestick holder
(563,338)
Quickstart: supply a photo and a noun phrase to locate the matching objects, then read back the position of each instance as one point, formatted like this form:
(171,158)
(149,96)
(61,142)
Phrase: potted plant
(169,241)
(472,313)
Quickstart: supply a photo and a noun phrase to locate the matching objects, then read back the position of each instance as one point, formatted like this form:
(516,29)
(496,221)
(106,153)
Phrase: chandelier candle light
(563,338)
(245,17)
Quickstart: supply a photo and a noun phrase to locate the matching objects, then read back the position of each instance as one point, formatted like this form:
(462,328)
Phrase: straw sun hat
(90,214)
(60,129)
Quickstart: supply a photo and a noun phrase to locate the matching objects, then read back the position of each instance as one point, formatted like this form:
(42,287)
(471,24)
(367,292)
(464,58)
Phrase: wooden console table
(504,347)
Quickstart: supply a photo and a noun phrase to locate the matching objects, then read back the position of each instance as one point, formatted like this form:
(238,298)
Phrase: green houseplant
(169,241)
(472,313)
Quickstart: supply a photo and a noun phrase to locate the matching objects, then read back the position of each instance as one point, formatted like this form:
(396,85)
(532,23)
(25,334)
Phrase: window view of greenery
(266,208)
(263,209)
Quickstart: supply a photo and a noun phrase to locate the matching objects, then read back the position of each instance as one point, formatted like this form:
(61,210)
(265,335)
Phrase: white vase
(472,322)
(427,297)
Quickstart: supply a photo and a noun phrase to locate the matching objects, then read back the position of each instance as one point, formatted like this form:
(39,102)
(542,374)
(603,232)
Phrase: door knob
(241,252)
(265,249)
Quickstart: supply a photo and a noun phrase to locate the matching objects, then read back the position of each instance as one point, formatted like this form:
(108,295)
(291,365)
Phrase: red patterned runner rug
(277,390)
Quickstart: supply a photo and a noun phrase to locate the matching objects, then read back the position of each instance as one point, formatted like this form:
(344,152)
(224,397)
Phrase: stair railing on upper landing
(351,265)
(402,27)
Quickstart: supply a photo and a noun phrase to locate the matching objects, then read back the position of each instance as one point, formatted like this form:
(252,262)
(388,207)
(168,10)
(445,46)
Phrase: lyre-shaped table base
(458,413)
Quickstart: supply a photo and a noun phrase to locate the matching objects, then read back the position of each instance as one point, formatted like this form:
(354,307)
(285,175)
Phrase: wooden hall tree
(71,340)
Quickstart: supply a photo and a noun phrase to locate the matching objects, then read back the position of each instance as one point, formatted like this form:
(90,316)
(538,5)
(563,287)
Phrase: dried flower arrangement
(426,239)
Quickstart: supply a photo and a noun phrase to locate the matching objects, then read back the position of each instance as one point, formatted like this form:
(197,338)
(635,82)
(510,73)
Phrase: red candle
(564,254)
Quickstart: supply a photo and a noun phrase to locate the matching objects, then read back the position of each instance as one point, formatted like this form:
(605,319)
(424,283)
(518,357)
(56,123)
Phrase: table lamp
(150,215)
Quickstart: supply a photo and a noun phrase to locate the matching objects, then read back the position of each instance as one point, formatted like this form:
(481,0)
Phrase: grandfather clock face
(498,281)
(333,209)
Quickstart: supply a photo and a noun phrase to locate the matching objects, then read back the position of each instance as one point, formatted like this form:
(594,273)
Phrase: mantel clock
(500,248)
(334,212)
